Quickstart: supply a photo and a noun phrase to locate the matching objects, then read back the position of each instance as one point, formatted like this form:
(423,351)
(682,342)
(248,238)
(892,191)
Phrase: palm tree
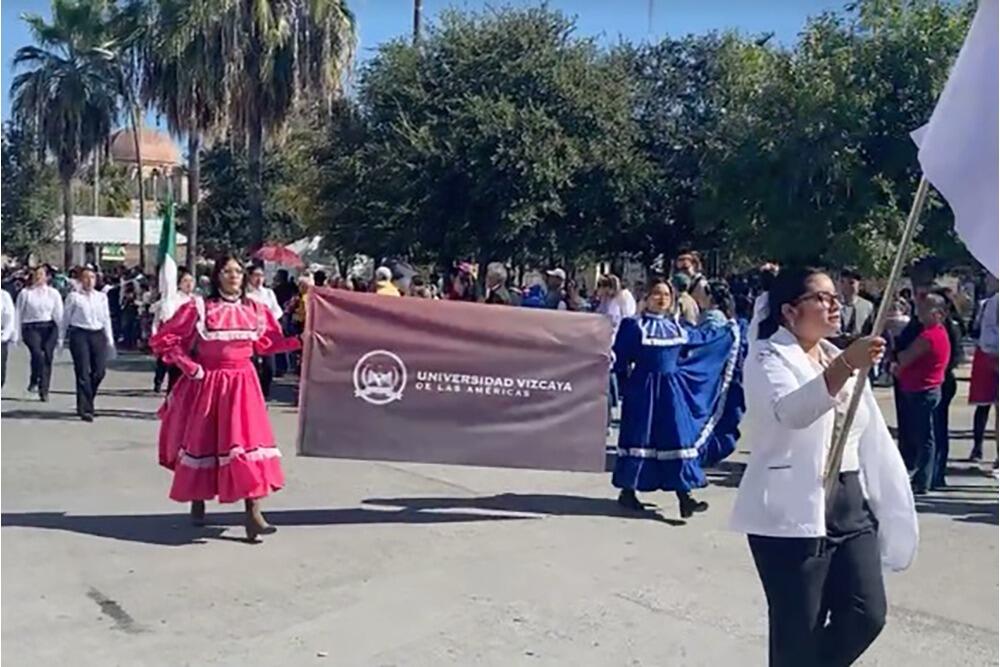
(129,27)
(183,69)
(276,51)
(68,95)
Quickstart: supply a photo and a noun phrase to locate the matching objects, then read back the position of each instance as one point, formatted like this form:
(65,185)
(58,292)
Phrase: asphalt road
(394,564)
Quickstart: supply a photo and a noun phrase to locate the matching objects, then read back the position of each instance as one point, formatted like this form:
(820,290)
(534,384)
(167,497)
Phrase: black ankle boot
(629,500)
(688,505)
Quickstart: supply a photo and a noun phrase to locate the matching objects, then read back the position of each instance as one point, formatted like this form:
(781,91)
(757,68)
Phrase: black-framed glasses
(825,299)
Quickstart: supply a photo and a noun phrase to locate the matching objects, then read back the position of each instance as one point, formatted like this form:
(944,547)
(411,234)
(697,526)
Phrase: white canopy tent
(93,234)
(104,230)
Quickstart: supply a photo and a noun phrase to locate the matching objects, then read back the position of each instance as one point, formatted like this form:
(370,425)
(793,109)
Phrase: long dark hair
(220,264)
(788,287)
(718,292)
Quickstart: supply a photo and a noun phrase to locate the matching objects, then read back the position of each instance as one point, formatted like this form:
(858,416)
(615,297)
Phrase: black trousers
(90,356)
(942,438)
(165,370)
(41,339)
(825,596)
(265,373)
(980,420)
(3,363)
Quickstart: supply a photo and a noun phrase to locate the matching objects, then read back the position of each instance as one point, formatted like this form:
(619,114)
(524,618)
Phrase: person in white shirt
(258,291)
(8,331)
(163,310)
(39,312)
(87,324)
(819,556)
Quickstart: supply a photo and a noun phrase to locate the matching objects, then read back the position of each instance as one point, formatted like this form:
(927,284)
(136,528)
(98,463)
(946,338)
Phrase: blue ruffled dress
(681,401)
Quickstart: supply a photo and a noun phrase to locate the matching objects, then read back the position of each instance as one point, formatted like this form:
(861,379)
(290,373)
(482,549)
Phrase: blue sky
(607,20)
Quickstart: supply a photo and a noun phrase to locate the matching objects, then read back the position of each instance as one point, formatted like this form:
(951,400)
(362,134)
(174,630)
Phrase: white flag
(958,147)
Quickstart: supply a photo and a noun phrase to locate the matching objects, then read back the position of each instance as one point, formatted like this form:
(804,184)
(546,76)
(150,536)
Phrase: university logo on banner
(438,382)
(379,377)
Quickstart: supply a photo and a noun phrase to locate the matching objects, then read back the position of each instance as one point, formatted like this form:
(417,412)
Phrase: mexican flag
(166,258)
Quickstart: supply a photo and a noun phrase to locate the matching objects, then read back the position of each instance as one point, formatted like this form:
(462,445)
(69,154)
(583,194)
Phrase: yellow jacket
(386,288)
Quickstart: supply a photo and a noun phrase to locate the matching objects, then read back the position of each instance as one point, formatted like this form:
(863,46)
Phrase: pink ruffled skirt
(216,437)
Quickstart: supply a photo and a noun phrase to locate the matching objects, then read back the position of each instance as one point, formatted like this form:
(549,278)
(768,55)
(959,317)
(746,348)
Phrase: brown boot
(255,522)
(197,512)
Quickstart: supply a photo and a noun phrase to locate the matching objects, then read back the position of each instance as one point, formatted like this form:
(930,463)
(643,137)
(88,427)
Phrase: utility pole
(417,10)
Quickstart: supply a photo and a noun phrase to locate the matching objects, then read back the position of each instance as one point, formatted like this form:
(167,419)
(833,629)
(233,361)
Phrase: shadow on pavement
(175,529)
(119,393)
(961,509)
(46,415)
(533,503)
(726,474)
(133,362)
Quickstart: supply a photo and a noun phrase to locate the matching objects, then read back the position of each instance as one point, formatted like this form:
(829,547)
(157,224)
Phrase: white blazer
(790,415)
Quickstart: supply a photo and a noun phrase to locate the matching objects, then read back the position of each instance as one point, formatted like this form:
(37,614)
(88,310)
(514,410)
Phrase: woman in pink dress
(214,432)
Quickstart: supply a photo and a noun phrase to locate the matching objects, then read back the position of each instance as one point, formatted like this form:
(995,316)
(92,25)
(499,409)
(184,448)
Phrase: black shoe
(689,506)
(975,455)
(919,492)
(43,396)
(630,501)
(157,388)
(87,417)
(32,387)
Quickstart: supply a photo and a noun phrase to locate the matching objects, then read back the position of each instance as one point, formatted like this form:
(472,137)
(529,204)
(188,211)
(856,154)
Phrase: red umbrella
(279,255)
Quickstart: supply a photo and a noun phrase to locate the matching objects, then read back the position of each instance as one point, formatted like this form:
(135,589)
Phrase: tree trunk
(136,131)
(255,196)
(97,182)
(67,197)
(194,194)
(483,260)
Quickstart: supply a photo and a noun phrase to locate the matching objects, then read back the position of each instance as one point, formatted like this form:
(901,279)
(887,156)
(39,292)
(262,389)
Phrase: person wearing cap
(86,321)
(555,289)
(383,282)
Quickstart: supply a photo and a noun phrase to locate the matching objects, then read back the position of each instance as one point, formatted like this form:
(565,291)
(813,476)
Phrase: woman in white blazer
(819,559)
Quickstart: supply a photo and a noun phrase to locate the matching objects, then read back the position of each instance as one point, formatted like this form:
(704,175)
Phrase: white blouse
(39,304)
(87,310)
(850,462)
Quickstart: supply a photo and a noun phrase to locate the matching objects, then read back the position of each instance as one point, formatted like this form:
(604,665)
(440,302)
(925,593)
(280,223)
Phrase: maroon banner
(404,379)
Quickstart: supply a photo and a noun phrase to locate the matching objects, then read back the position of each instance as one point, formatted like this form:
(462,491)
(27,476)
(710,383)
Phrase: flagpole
(837,451)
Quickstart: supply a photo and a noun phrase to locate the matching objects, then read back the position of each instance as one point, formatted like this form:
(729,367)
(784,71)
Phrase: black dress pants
(3,361)
(41,339)
(265,373)
(825,596)
(90,355)
(165,370)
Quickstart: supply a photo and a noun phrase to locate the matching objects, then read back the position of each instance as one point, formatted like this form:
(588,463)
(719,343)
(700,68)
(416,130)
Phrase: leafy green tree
(30,194)
(225,211)
(500,135)
(813,160)
(116,189)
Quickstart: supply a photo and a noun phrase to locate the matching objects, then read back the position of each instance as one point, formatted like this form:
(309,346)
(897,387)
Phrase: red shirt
(927,371)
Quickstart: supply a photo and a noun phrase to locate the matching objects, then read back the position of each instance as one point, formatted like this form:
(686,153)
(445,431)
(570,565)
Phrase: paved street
(389,564)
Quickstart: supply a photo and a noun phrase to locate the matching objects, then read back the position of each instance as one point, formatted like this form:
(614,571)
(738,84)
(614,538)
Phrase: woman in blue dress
(676,416)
